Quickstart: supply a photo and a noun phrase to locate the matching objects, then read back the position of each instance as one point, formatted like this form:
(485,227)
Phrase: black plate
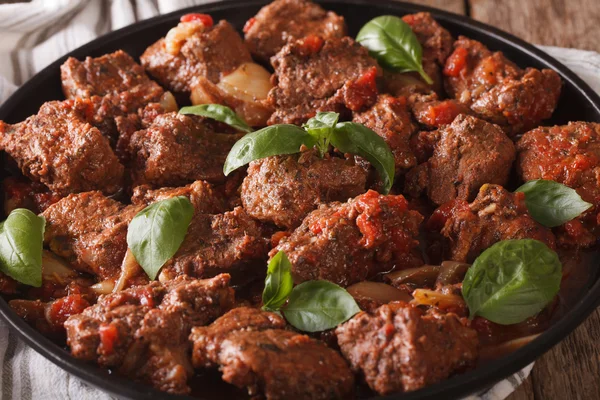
(578,102)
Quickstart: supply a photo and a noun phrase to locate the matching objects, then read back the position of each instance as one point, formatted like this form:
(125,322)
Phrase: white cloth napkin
(35,34)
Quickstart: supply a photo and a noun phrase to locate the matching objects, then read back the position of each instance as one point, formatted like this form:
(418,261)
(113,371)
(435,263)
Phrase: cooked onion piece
(420,276)
(452,272)
(129,268)
(55,269)
(249,82)
(168,102)
(104,287)
(378,292)
(493,352)
(177,36)
(436,299)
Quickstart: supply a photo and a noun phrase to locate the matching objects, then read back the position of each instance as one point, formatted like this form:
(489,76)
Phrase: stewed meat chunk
(315,74)
(109,74)
(391,120)
(284,189)
(399,347)
(349,242)
(468,153)
(437,45)
(195,58)
(142,332)
(499,91)
(231,242)
(90,231)
(201,194)
(178,149)
(495,215)
(283,21)
(569,154)
(58,148)
(253,351)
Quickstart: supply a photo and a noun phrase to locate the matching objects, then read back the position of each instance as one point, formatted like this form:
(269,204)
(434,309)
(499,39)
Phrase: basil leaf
(219,113)
(551,203)
(270,141)
(21,244)
(320,127)
(316,306)
(278,283)
(393,44)
(512,281)
(350,137)
(155,233)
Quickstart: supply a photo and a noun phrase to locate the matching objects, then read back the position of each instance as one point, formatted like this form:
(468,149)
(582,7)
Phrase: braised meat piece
(22,193)
(230,242)
(142,332)
(436,43)
(315,74)
(349,242)
(58,148)
(109,74)
(495,215)
(284,189)
(194,60)
(201,194)
(391,120)
(283,21)
(399,347)
(90,231)
(178,149)
(253,351)
(569,154)
(468,153)
(498,90)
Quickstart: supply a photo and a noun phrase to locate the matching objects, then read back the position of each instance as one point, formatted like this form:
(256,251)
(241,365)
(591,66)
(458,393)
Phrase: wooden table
(571,370)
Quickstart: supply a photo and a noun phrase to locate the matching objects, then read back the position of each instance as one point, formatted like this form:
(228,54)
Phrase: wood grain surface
(571,370)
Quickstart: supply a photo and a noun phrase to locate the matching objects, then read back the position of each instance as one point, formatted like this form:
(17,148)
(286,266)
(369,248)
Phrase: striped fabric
(36,33)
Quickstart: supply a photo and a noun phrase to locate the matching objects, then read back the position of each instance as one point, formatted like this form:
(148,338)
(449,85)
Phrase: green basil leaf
(21,245)
(512,281)
(350,137)
(219,113)
(322,120)
(270,141)
(155,233)
(278,283)
(316,306)
(551,203)
(393,44)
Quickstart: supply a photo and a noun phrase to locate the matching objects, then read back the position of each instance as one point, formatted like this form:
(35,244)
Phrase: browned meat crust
(400,348)
(284,189)
(349,242)
(252,352)
(143,332)
(467,154)
(283,21)
(58,148)
(313,74)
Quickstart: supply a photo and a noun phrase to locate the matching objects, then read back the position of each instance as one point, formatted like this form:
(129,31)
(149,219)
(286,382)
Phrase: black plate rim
(455,387)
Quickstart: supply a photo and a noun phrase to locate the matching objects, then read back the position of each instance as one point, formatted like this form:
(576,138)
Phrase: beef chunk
(391,120)
(178,149)
(569,154)
(498,90)
(284,189)
(252,352)
(194,59)
(207,340)
(468,153)
(109,74)
(143,332)
(436,43)
(349,242)
(201,194)
(90,231)
(313,74)
(401,348)
(58,148)
(495,215)
(228,242)
(283,21)
(23,193)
